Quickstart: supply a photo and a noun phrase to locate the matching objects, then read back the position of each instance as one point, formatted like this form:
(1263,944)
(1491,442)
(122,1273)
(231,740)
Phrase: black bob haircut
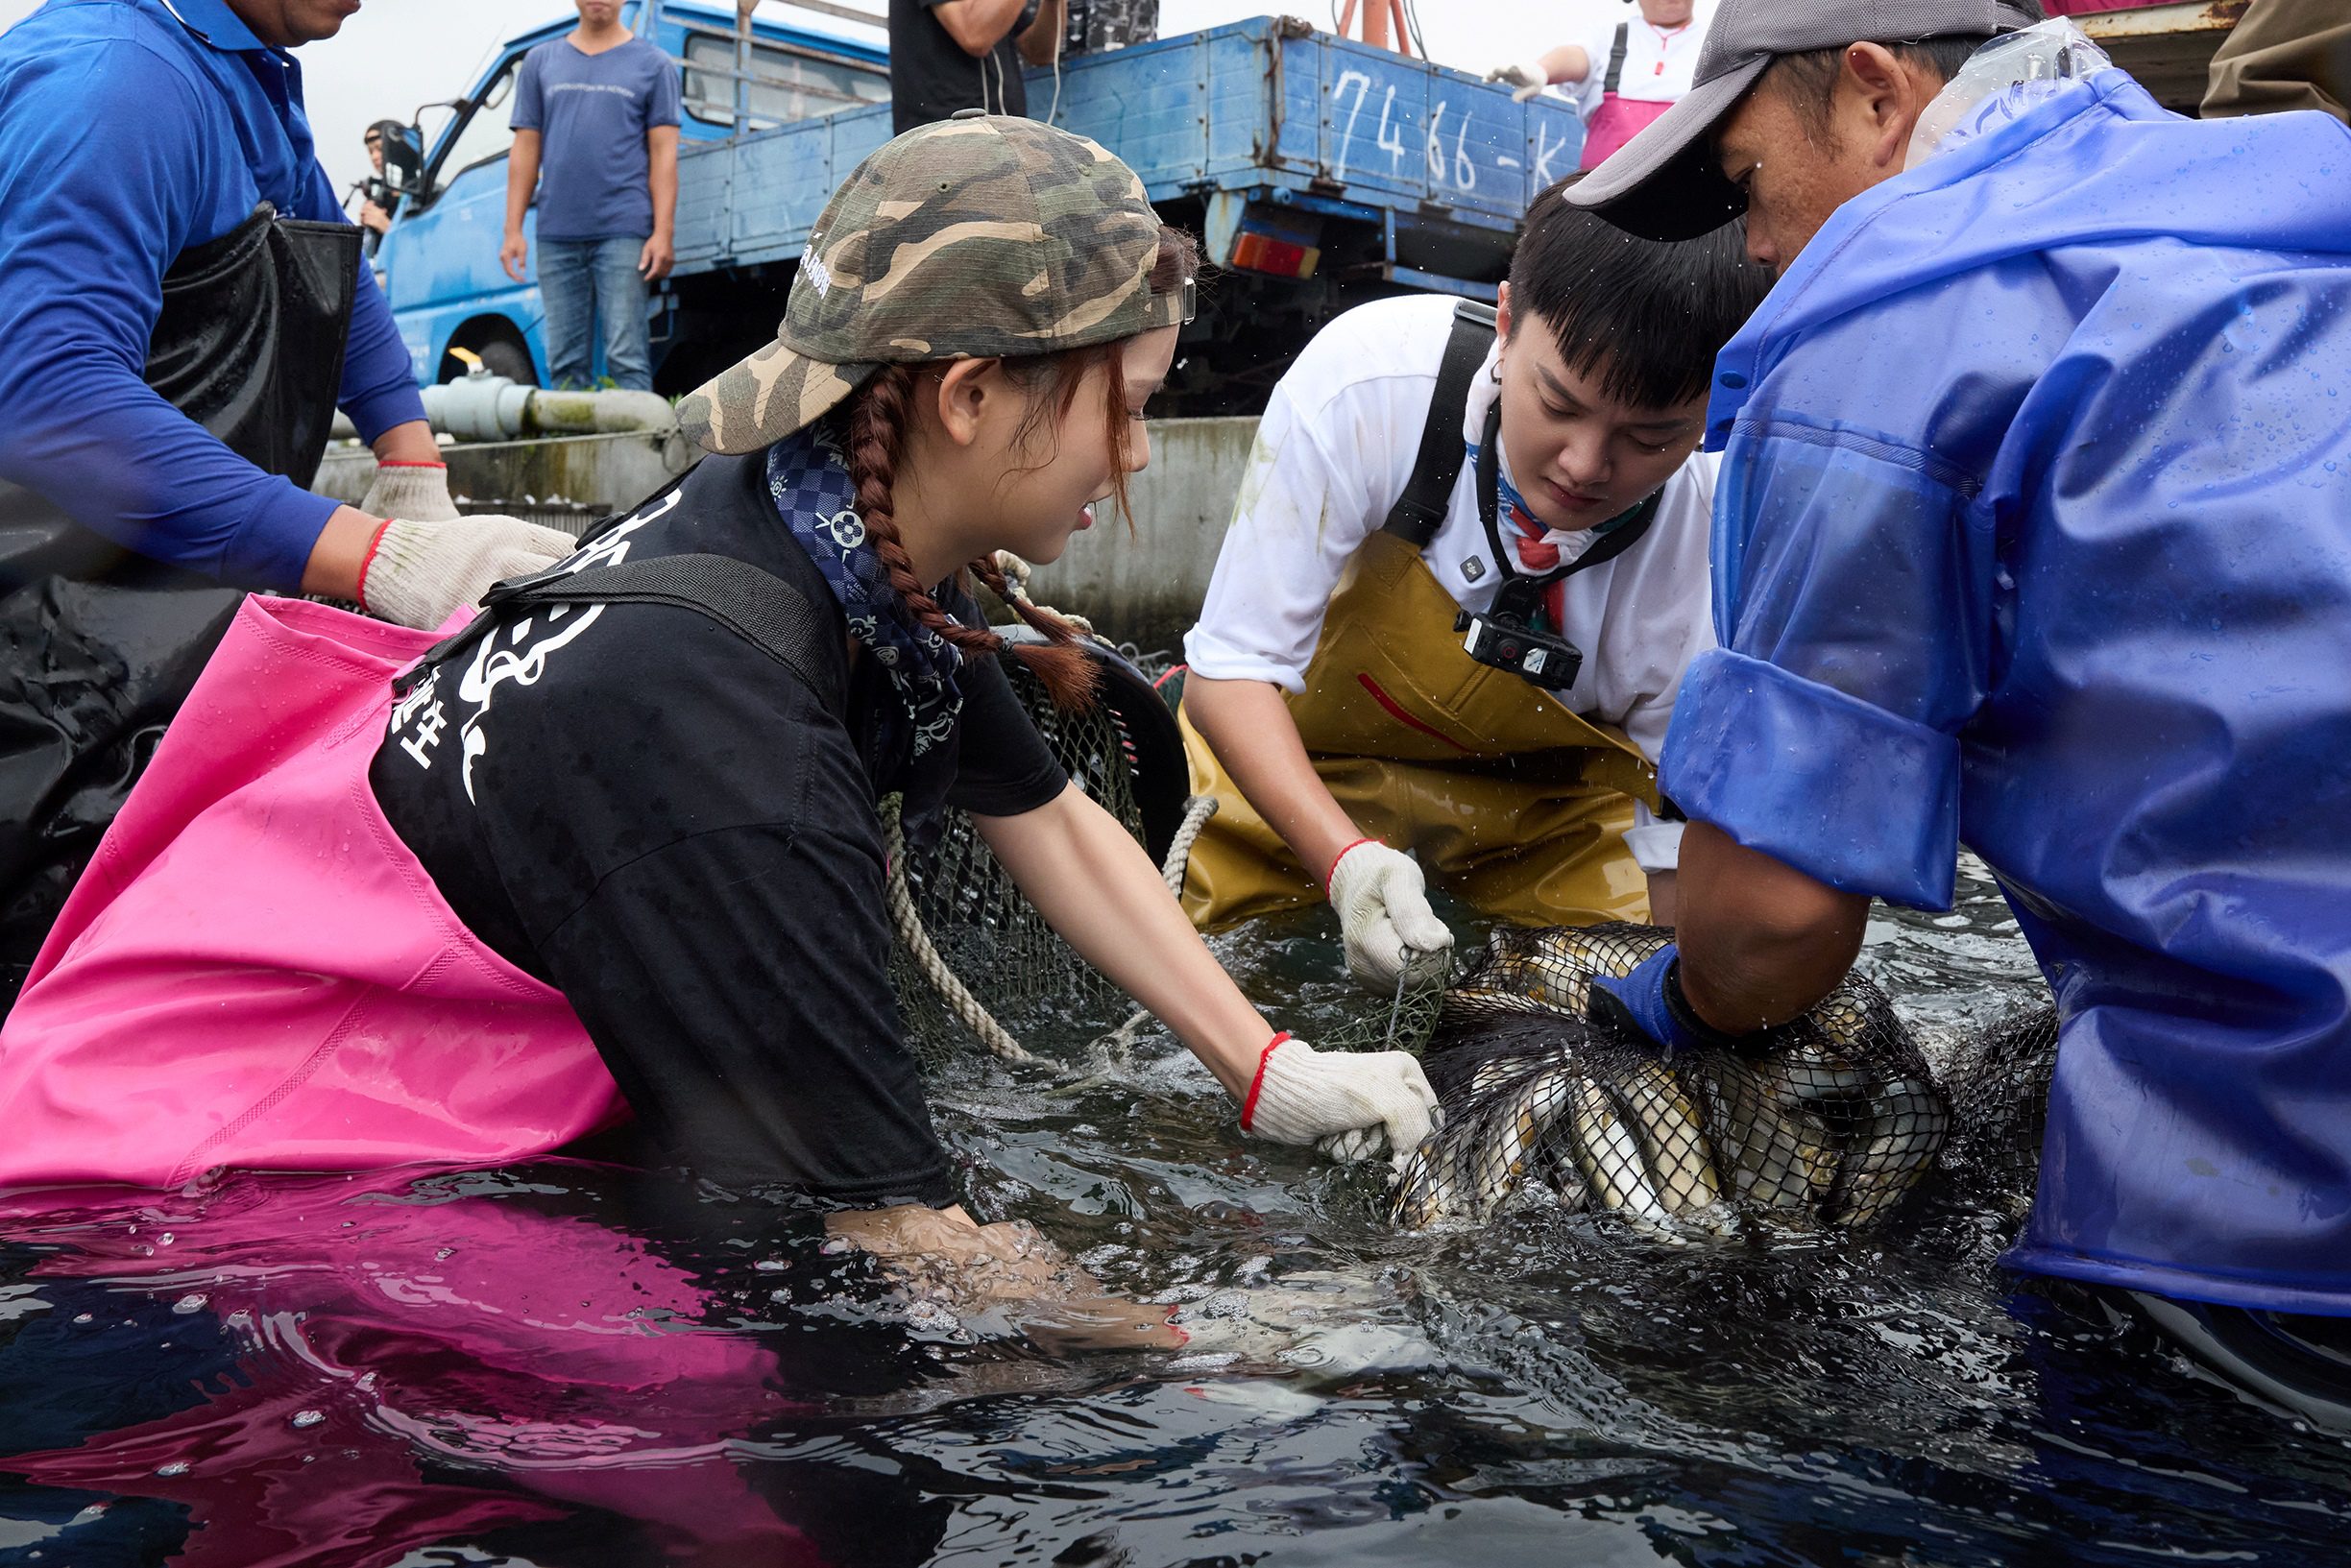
(1646,317)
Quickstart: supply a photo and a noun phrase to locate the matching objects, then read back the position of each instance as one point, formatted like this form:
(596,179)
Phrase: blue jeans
(581,280)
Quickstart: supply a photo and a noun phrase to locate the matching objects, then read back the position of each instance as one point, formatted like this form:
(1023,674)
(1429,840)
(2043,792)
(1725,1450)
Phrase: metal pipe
(481,407)
(478,407)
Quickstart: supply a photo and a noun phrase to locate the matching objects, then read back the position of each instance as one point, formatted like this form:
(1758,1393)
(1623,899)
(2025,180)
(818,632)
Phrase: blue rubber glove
(1639,999)
(1648,1000)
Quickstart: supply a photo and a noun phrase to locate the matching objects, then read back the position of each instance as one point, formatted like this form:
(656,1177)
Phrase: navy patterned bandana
(809,477)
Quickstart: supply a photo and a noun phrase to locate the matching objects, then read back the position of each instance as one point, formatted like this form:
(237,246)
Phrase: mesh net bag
(1127,752)
(1403,1021)
(1998,1084)
(1828,1118)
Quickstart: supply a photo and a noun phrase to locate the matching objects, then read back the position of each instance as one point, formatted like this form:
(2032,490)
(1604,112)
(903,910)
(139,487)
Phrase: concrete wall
(1147,587)
(1144,588)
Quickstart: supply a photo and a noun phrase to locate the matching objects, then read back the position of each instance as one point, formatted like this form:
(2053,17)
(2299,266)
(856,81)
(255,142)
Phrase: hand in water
(946,1257)
(1319,1324)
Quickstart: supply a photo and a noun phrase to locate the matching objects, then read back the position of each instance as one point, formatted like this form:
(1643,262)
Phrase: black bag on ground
(99,646)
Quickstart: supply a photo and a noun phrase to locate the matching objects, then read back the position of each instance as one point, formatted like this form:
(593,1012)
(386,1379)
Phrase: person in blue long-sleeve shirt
(129,131)
(178,285)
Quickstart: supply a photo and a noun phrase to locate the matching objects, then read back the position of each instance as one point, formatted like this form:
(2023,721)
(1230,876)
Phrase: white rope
(1197,812)
(951,991)
(1112,1048)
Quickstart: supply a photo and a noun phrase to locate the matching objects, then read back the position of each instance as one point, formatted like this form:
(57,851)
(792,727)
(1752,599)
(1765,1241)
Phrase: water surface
(568,1363)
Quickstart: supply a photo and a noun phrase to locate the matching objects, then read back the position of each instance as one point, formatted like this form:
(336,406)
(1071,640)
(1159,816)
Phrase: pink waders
(1615,122)
(256,971)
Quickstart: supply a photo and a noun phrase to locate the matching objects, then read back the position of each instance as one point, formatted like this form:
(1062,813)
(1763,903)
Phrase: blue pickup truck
(1320,173)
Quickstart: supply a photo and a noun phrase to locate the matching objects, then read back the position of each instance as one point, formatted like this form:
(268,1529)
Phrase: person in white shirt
(1331,705)
(1629,68)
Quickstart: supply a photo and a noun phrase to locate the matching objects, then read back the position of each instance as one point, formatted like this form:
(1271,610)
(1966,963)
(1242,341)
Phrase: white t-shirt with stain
(1333,453)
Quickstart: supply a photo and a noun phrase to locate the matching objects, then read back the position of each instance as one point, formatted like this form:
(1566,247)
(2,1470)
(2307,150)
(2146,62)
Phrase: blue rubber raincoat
(2035,533)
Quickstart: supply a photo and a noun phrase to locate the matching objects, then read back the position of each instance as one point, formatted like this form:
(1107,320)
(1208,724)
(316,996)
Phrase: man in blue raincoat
(2033,532)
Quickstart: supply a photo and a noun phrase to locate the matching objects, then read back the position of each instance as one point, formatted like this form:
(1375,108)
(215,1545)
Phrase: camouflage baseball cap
(981,236)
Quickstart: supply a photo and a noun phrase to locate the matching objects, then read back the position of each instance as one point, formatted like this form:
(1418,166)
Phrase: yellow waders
(1513,804)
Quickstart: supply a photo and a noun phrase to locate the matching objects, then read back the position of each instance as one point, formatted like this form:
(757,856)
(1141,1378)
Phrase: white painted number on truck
(1463,171)
(1391,140)
(1390,137)
(1452,165)
(1545,150)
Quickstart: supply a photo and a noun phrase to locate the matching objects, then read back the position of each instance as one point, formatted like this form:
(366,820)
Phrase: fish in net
(1126,752)
(1830,1117)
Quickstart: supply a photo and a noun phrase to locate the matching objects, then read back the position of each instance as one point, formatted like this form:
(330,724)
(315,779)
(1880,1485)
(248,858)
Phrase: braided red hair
(876,434)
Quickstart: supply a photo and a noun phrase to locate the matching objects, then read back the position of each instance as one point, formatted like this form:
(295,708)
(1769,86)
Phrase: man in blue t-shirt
(601,108)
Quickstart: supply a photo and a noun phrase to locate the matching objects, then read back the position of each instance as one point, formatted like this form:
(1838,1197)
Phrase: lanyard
(1522,591)
(1666,39)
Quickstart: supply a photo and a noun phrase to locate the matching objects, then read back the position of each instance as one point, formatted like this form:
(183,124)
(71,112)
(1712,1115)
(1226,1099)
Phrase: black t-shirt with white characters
(639,807)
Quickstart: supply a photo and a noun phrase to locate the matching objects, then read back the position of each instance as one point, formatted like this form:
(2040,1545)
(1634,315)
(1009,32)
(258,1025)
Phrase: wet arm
(1761,941)
(949,1256)
(1249,726)
(1094,885)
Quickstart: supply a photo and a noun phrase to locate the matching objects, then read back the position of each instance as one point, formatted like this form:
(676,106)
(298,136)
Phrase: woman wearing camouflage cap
(614,847)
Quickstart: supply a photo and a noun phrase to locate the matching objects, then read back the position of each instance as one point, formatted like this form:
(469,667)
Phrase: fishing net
(1999,1083)
(970,947)
(1127,753)
(1403,1022)
(1830,1117)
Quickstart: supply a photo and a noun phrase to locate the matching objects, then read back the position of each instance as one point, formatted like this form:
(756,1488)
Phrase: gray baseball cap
(1664,183)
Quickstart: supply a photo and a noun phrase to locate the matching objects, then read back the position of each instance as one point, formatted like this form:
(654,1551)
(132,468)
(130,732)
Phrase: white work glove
(420,574)
(1303,1094)
(1384,910)
(1528,76)
(417,491)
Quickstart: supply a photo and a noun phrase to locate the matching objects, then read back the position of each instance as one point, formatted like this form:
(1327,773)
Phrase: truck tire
(511,360)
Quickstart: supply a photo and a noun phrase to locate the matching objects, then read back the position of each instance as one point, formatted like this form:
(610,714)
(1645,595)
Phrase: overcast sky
(397,54)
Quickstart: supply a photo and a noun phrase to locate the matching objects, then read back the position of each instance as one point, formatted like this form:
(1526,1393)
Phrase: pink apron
(1616,121)
(256,971)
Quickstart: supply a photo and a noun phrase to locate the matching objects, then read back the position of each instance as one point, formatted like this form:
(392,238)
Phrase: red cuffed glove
(417,491)
(1301,1096)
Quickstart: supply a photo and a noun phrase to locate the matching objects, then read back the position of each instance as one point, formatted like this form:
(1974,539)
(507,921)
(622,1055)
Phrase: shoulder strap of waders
(760,607)
(1616,57)
(1421,511)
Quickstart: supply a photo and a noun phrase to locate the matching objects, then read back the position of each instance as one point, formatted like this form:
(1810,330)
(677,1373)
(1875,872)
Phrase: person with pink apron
(612,850)
(1628,70)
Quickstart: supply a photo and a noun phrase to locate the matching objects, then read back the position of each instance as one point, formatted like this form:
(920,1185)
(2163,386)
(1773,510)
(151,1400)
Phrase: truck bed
(1266,110)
